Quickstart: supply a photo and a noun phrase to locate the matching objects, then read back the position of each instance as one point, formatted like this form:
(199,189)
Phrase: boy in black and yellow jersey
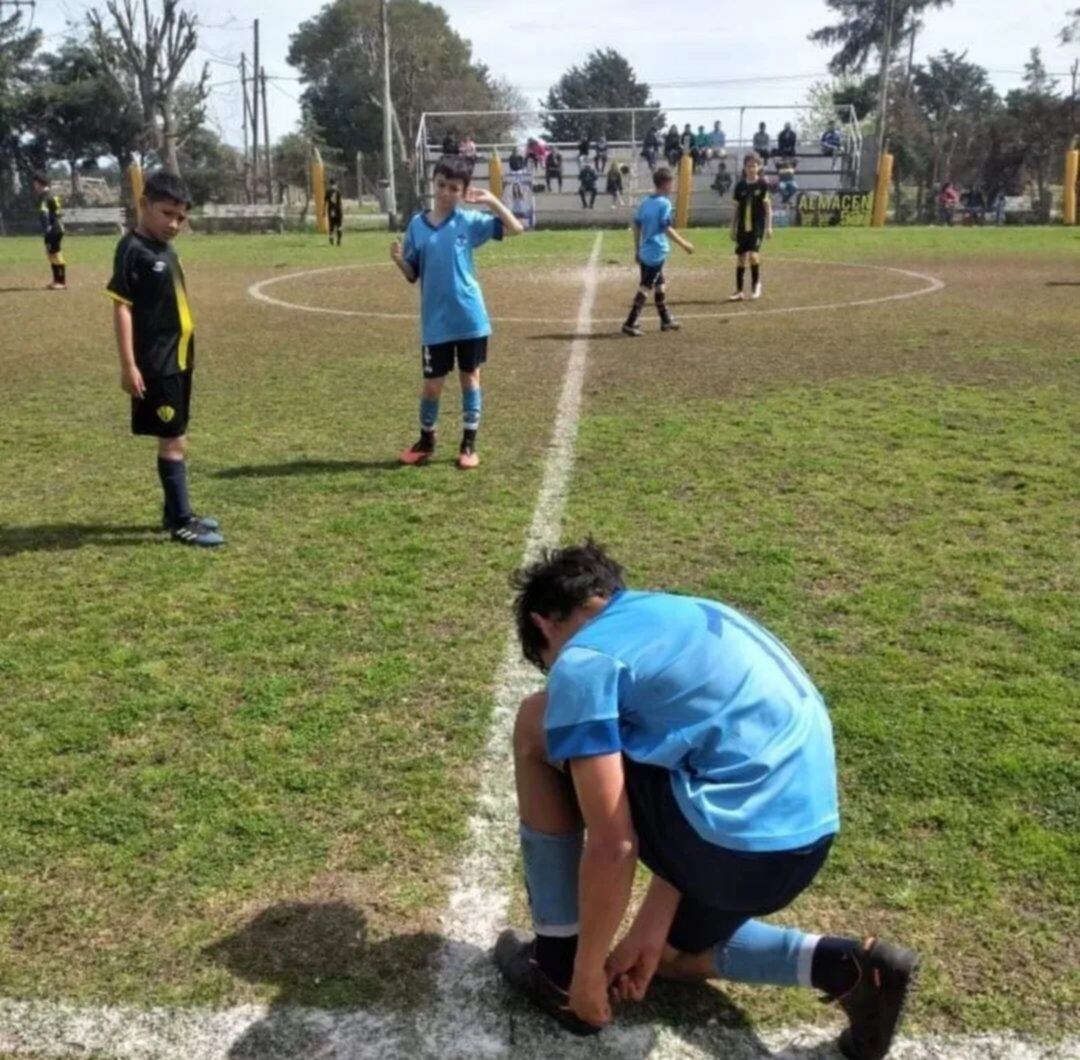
(335,213)
(155,337)
(52,229)
(751,224)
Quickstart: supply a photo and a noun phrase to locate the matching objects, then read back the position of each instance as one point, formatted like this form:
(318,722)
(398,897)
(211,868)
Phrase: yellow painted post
(495,180)
(881,191)
(136,183)
(318,191)
(686,187)
(1072,174)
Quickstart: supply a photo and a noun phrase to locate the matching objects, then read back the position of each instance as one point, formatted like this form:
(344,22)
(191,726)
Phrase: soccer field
(246,776)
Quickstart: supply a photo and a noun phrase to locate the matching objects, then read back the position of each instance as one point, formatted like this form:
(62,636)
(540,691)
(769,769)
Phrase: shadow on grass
(16,290)
(1063,283)
(571,336)
(306,467)
(340,994)
(53,537)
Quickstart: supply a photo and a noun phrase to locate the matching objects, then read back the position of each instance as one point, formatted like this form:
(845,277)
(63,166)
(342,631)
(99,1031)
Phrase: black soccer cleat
(633,330)
(514,959)
(671,324)
(875,1004)
(194,532)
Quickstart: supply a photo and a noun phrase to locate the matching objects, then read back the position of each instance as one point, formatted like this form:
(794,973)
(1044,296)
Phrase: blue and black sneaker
(195,531)
(207,522)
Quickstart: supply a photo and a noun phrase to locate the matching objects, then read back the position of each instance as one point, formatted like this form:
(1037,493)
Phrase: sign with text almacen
(824,209)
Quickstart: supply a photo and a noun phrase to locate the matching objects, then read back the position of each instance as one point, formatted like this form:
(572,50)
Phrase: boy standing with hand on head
(652,228)
(437,251)
(52,230)
(155,338)
(751,223)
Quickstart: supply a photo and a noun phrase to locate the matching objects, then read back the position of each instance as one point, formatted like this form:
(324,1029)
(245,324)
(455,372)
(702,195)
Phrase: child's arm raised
(397,255)
(682,241)
(131,380)
(481,196)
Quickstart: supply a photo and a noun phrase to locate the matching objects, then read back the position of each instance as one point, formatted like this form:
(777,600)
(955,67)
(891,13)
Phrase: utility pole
(255,118)
(266,140)
(388,139)
(247,118)
(883,98)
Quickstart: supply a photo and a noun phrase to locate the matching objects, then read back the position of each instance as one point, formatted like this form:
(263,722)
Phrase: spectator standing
(615,186)
(832,143)
(601,153)
(587,185)
(553,168)
(450,143)
(516,160)
(786,141)
(583,148)
(651,147)
(947,201)
(536,152)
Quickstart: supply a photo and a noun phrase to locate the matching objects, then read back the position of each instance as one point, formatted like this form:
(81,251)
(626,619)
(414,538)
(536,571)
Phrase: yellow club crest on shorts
(166,413)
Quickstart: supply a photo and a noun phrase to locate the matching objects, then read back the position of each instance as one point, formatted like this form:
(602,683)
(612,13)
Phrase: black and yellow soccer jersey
(148,277)
(50,214)
(333,202)
(751,205)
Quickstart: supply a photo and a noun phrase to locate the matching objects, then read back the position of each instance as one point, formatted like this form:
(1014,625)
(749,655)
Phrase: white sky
(705,54)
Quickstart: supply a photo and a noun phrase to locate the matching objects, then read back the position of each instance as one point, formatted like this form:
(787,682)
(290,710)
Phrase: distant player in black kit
(156,341)
(334,211)
(52,229)
(751,224)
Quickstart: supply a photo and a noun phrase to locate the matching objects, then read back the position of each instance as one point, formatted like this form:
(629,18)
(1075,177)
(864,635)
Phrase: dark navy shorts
(652,274)
(721,888)
(749,242)
(439,359)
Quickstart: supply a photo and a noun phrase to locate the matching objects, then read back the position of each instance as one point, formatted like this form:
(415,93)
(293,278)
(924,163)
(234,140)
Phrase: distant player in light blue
(652,230)
(678,731)
(437,251)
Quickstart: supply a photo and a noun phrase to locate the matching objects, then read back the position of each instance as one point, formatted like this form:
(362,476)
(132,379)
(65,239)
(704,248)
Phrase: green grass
(247,774)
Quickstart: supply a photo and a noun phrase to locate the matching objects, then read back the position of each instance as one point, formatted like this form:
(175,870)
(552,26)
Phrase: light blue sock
(763,953)
(472,401)
(429,413)
(551,864)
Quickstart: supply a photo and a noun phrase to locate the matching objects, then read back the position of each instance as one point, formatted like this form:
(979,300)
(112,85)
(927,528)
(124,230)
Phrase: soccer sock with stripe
(661,306)
(755,274)
(429,417)
(472,402)
(636,308)
(740,276)
(173,476)
(551,863)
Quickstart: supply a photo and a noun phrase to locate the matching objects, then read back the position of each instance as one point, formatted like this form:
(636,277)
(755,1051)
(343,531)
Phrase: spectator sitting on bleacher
(672,150)
(587,185)
(717,141)
(785,142)
(615,186)
(536,152)
(583,148)
(785,172)
(701,148)
(832,143)
(516,161)
(762,142)
(553,168)
(450,144)
(686,140)
(650,148)
(467,148)
(722,184)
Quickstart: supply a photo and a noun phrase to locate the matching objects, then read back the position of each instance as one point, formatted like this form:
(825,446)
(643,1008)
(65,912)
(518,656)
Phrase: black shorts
(652,274)
(165,408)
(748,242)
(53,241)
(721,888)
(439,359)
(334,220)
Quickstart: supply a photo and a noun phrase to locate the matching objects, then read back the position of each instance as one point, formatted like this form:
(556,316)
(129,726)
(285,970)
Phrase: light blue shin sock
(551,875)
(764,953)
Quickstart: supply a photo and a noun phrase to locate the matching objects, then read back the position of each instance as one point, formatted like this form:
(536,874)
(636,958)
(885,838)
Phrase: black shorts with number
(748,242)
(721,889)
(652,275)
(439,359)
(53,241)
(334,219)
(165,408)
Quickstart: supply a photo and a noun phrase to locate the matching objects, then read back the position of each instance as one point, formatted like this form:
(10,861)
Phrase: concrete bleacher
(555,209)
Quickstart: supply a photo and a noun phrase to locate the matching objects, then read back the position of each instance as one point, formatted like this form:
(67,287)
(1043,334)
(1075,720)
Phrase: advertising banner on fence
(824,209)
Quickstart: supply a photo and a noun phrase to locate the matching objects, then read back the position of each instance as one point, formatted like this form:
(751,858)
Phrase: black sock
(740,275)
(555,956)
(661,306)
(55,272)
(635,309)
(173,475)
(427,438)
(755,274)
(468,439)
(62,269)
(833,970)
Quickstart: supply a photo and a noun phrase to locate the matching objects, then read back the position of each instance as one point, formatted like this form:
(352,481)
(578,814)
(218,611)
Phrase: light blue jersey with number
(451,302)
(654,218)
(697,688)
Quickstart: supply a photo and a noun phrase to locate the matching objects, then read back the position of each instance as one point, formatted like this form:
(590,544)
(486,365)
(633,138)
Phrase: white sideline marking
(932,284)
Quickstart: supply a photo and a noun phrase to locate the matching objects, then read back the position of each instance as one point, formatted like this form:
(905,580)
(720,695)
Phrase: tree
(18,75)
(605,80)
(213,170)
(1071,30)
(147,53)
(339,55)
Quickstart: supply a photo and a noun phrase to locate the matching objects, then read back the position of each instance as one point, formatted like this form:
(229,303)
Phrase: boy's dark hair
(662,175)
(558,582)
(454,167)
(163,185)
(41,178)
(751,156)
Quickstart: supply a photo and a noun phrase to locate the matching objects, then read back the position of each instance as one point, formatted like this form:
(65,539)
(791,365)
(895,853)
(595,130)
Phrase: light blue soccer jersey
(697,688)
(654,217)
(451,302)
